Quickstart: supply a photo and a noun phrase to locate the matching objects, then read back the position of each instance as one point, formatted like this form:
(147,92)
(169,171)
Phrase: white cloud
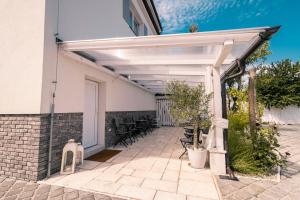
(176,14)
(179,14)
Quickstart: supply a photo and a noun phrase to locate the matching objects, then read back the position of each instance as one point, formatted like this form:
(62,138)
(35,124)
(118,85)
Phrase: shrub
(248,155)
(278,85)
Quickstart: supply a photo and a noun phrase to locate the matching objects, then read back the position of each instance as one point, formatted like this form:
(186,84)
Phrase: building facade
(35,75)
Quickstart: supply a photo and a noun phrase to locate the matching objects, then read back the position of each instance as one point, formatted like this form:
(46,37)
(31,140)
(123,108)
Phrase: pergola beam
(174,61)
(161,72)
(166,78)
(224,52)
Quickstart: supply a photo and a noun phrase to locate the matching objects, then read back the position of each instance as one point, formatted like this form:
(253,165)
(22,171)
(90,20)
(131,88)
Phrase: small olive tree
(190,104)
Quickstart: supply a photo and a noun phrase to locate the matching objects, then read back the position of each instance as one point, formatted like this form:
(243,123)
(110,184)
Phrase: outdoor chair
(188,139)
(120,134)
(140,125)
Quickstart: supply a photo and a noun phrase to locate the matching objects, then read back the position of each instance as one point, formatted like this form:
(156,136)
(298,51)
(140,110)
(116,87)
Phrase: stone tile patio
(287,189)
(148,169)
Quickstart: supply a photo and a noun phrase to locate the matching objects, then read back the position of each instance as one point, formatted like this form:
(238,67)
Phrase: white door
(90,115)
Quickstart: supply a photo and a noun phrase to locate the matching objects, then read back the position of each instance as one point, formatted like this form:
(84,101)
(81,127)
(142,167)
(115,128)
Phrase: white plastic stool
(71,146)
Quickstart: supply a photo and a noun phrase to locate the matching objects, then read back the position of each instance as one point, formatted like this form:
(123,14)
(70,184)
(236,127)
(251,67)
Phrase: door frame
(101,108)
(96,117)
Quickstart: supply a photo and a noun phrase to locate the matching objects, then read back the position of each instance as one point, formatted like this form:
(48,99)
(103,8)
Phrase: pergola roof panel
(162,58)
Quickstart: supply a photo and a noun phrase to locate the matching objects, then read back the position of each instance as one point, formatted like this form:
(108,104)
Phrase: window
(136,27)
(145,30)
(132,18)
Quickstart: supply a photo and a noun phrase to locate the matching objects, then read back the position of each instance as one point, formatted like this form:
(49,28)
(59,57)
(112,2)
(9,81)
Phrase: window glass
(145,30)
(135,27)
(130,19)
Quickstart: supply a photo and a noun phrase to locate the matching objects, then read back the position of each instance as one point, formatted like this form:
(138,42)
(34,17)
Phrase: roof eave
(263,36)
(152,12)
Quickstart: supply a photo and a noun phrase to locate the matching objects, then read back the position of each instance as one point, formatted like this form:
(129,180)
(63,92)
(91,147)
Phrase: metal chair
(121,134)
(188,139)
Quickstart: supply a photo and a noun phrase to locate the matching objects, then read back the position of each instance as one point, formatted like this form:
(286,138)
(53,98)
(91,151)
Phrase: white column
(217,153)
(217,99)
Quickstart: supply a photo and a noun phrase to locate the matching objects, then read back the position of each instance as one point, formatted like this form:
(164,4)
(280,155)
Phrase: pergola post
(217,153)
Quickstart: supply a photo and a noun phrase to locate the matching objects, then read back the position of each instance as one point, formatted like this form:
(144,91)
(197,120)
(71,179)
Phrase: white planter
(197,157)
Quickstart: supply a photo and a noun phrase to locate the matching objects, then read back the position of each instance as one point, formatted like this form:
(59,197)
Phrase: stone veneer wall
(24,142)
(120,116)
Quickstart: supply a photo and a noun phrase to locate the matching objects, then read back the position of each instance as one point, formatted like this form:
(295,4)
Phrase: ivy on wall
(278,85)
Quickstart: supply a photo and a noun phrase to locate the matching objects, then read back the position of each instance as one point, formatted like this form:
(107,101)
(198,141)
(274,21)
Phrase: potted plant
(191,104)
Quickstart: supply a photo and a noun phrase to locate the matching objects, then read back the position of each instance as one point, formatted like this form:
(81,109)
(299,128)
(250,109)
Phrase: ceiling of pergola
(152,61)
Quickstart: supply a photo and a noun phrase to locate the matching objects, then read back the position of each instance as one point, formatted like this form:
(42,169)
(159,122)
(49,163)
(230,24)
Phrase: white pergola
(151,61)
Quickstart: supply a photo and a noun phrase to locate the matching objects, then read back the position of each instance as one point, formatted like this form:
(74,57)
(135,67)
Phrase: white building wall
(119,94)
(21,55)
(288,115)
(94,19)
(71,75)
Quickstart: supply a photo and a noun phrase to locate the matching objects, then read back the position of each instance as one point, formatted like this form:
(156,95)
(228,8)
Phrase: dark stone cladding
(110,137)
(24,142)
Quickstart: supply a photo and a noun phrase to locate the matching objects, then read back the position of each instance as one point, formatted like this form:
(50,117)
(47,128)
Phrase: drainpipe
(242,69)
(53,94)
(229,74)
(51,135)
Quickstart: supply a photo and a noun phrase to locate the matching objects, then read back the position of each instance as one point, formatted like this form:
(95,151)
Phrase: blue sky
(209,15)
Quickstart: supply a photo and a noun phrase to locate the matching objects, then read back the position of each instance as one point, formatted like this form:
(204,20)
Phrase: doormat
(104,155)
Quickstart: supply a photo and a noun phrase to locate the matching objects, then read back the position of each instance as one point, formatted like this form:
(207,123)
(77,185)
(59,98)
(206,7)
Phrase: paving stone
(5,188)
(101,197)
(41,196)
(91,197)
(2,194)
(168,186)
(2,179)
(160,195)
(32,191)
(71,195)
(56,191)
(13,192)
(43,189)
(19,184)
(57,198)
(27,194)
(10,198)
(136,192)
(7,183)
(30,187)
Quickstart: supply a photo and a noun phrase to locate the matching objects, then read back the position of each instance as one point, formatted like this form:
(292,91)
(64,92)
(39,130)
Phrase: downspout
(53,96)
(240,63)
(242,69)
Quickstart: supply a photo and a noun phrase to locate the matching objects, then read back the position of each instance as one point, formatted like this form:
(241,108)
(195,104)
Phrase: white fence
(163,112)
(288,115)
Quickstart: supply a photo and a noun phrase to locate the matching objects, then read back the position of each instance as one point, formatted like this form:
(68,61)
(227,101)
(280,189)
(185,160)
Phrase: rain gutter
(231,73)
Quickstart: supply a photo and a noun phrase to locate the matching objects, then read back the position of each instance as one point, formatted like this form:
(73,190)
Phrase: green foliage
(239,96)
(189,103)
(278,85)
(238,121)
(265,149)
(251,155)
(259,56)
(193,28)
(240,154)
